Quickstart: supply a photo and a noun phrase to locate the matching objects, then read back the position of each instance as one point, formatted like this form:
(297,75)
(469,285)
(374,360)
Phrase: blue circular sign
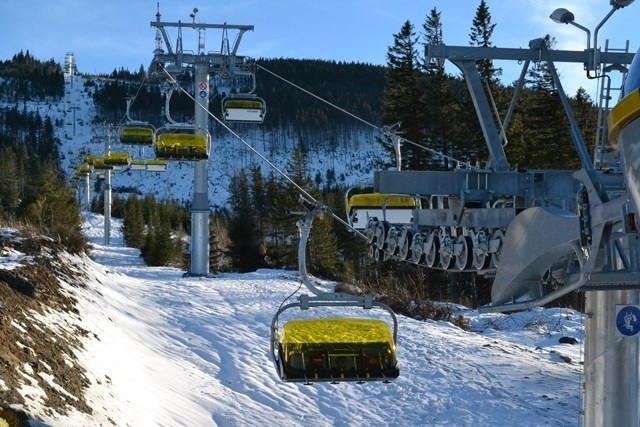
(203,94)
(628,320)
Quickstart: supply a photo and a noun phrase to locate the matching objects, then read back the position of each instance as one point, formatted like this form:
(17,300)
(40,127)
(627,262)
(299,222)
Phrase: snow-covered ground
(165,350)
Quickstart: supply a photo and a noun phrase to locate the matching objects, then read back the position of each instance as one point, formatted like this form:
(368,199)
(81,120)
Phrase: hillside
(149,347)
(346,147)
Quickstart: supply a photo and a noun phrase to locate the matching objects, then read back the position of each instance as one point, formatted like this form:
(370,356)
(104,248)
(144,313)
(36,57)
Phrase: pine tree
(585,112)
(480,35)
(245,248)
(133,223)
(402,97)
(278,219)
(439,105)
(9,183)
(165,251)
(546,142)
(50,205)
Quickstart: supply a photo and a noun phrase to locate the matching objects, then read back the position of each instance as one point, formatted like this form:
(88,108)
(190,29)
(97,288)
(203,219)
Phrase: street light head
(563,16)
(620,3)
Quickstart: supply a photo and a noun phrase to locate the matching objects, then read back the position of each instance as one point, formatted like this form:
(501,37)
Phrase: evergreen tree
(133,223)
(278,220)
(219,244)
(245,248)
(9,183)
(439,105)
(165,250)
(402,97)
(546,141)
(152,220)
(259,201)
(50,205)
(585,112)
(480,35)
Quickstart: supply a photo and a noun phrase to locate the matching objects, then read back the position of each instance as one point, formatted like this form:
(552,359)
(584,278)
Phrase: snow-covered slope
(165,350)
(354,161)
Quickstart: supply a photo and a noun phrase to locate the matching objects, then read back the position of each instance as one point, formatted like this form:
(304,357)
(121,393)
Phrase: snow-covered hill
(164,350)
(354,161)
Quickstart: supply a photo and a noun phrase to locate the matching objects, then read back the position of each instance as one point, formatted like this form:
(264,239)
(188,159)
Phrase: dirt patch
(38,355)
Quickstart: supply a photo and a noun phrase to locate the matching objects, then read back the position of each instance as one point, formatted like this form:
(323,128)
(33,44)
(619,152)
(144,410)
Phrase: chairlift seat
(84,170)
(244,110)
(100,165)
(182,146)
(151,165)
(337,349)
(117,159)
(138,134)
(393,208)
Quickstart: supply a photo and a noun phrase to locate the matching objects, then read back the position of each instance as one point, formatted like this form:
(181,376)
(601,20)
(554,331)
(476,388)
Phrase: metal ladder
(604,156)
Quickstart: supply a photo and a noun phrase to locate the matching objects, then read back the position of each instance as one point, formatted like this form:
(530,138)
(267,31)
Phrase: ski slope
(165,350)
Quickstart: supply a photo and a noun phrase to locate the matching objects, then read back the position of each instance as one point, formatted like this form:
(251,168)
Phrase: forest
(432,106)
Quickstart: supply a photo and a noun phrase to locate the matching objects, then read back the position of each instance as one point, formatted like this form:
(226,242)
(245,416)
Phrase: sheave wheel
(495,257)
(465,258)
(417,248)
(432,257)
(406,240)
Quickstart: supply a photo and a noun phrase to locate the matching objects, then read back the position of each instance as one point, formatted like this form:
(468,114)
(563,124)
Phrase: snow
(355,158)
(168,350)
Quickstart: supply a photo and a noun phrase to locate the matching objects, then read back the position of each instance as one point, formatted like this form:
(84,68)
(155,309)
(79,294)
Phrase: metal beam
(497,157)
(534,53)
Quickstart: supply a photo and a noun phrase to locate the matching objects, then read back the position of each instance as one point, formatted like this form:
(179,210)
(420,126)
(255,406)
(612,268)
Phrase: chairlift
(135,132)
(114,158)
(335,349)
(182,143)
(99,164)
(96,162)
(392,208)
(243,109)
(150,165)
(83,170)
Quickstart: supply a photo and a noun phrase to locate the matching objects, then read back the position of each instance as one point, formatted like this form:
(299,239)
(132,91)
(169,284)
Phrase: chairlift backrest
(243,109)
(182,142)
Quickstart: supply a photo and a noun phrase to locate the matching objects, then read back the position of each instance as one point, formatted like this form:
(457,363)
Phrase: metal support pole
(87,189)
(612,373)
(107,192)
(200,206)
(107,208)
(498,158)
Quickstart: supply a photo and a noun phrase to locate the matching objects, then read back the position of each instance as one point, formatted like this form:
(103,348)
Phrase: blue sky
(105,35)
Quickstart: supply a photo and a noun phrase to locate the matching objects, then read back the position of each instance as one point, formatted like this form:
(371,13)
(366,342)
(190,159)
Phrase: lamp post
(611,363)
(564,16)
